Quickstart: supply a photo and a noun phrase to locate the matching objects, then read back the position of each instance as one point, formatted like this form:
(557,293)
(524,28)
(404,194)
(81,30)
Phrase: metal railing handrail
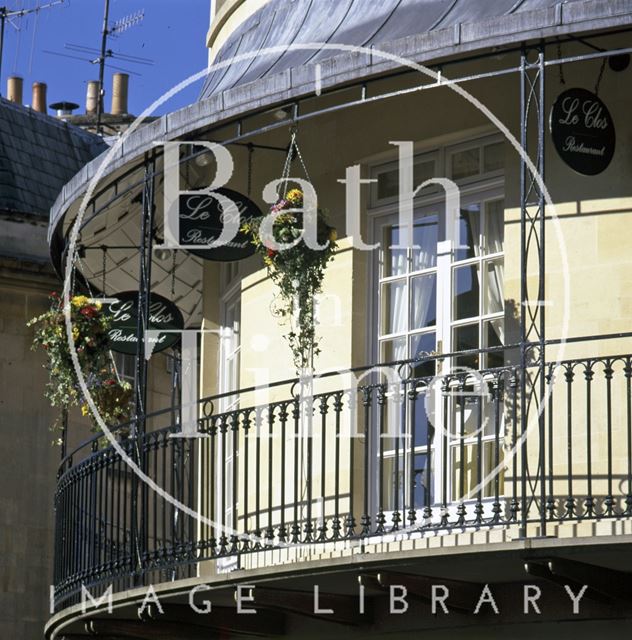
(90,442)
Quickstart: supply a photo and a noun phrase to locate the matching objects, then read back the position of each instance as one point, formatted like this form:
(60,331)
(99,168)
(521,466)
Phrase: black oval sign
(202,222)
(163,316)
(583,131)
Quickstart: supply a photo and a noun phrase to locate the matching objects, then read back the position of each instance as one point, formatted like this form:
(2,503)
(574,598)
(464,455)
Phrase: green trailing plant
(298,272)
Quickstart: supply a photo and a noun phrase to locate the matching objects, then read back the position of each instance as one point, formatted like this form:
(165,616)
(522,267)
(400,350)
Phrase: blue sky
(172,35)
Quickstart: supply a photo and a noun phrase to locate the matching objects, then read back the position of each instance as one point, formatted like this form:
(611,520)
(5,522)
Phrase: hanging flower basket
(297,271)
(113,398)
(90,327)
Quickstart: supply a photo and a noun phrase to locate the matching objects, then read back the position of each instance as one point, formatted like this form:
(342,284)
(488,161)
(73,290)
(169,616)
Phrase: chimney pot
(120,85)
(92,97)
(39,97)
(15,85)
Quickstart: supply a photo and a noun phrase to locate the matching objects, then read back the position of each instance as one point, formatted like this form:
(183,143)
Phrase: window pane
(394,307)
(388,179)
(466,288)
(493,300)
(125,366)
(423,171)
(467,410)
(395,483)
(471,478)
(495,226)
(426,236)
(424,302)
(393,350)
(461,487)
(394,259)
(387,184)
(421,421)
(466,164)
(422,480)
(494,333)
(493,157)
(469,233)
(466,338)
(420,345)
(475,404)
(489,464)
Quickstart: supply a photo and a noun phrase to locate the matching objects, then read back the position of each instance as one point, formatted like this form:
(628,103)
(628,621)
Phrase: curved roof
(367,23)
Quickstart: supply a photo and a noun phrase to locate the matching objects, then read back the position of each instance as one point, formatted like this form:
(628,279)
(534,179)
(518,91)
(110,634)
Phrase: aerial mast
(104,45)
(9,14)
(101,55)
(106,32)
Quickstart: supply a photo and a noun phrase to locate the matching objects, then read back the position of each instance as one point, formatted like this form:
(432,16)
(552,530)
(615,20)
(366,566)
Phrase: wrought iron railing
(404,451)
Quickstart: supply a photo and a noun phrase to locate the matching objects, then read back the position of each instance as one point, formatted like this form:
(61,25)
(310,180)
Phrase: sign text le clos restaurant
(201,219)
(583,131)
(163,316)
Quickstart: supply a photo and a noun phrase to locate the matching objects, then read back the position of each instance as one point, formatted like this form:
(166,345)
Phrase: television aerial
(104,53)
(11,15)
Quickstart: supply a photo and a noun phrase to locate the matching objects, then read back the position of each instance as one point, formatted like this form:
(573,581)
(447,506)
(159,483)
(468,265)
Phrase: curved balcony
(401,454)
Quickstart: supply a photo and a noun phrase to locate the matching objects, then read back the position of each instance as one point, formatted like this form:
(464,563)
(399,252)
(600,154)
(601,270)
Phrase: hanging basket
(90,326)
(297,271)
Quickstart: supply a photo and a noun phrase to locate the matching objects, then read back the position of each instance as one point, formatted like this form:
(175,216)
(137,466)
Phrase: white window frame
(478,188)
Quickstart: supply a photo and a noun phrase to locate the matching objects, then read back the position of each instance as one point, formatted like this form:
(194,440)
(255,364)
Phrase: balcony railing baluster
(365,521)
(322,526)
(428,473)
(497,394)
(444,464)
(589,503)
(269,531)
(480,428)
(628,404)
(608,373)
(258,483)
(395,436)
(380,470)
(213,487)
(461,434)
(412,398)
(569,376)
(296,415)
(223,538)
(234,539)
(246,424)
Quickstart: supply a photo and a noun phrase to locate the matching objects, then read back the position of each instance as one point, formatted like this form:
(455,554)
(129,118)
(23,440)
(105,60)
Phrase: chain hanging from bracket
(560,66)
(251,151)
(173,274)
(293,152)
